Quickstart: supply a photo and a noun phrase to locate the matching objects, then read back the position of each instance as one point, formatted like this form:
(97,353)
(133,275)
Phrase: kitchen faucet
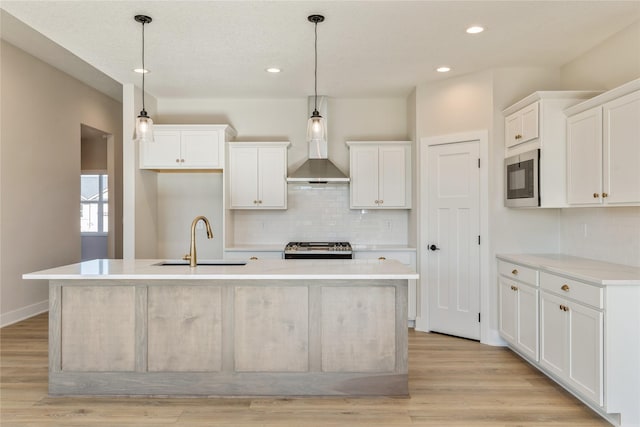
(191,256)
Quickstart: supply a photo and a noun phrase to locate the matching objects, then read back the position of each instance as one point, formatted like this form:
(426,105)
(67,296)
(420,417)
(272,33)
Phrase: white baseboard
(421,324)
(15,316)
(493,338)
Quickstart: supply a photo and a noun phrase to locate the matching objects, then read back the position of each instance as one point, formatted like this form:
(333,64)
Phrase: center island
(265,328)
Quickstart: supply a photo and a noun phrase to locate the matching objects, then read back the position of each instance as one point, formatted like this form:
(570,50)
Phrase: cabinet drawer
(518,272)
(579,291)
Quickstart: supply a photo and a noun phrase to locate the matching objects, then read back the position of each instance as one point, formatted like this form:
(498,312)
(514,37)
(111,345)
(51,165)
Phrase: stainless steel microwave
(521,180)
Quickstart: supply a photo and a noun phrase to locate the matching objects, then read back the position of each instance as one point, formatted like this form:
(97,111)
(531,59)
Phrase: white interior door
(453,247)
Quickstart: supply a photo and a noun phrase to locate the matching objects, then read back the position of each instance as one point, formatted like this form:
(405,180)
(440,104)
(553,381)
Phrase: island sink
(224,262)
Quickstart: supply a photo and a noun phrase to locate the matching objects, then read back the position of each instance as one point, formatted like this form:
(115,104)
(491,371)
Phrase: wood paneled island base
(228,337)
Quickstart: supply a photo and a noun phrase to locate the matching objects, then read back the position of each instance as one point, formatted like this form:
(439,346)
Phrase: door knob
(434,248)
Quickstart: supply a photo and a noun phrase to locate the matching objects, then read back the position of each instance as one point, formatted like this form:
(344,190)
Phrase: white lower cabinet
(518,313)
(405,257)
(572,346)
(588,331)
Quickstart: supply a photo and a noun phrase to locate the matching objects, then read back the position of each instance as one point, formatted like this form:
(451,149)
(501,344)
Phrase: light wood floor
(453,382)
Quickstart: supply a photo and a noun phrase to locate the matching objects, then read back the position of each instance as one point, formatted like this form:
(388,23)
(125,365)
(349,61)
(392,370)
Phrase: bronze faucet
(191,256)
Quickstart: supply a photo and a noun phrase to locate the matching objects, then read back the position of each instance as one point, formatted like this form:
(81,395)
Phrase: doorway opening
(96,171)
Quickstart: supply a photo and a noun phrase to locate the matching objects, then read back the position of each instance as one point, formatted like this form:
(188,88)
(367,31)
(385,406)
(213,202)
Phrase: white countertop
(588,270)
(326,269)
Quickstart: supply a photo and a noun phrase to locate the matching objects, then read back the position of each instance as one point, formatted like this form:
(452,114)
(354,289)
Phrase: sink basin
(222,262)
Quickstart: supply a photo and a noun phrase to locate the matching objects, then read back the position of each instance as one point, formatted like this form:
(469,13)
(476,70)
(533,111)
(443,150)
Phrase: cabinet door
(621,149)
(200,149)
(507,313)
(585,351)
(243,177)
(584,158)
(164,152)
(527,314)
(364,176)
(529,122)
(272,182)
(554,334)
(392,177)
(512,129)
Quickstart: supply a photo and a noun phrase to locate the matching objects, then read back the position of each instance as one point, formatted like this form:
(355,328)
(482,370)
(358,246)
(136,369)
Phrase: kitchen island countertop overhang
(318,269)
(267,328)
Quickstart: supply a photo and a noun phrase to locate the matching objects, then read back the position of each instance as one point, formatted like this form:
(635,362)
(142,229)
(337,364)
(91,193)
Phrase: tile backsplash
(609,234)
(320,212)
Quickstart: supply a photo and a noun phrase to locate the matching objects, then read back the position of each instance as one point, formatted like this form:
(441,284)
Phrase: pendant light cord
(144,70)
(315,73)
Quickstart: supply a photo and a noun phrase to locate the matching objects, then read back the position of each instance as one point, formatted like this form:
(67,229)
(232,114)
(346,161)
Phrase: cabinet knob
(514,272)
(253,258)
(177,160)
(259,202)
(514,288)
(381,258)
(381,201)
(596,195)
(566,308)
(377,202)
(518,136)
(605,195)
(181,160)
(255,202)
(565,287)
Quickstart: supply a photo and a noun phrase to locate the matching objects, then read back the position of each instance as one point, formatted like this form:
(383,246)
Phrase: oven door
(521,180)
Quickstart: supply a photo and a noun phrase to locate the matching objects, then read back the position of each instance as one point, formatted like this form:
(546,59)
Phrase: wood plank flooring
(453,382)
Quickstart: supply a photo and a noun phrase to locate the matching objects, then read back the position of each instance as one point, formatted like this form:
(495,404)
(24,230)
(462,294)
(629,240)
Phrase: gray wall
(42,111)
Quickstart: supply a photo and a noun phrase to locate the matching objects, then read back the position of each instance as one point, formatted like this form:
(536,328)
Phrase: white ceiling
(220,49)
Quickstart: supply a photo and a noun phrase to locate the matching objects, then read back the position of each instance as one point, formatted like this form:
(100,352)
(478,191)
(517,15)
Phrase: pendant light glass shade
(316,126)
(144,124)
(144,128)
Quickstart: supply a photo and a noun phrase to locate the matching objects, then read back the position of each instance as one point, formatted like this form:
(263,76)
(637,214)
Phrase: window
(94,204)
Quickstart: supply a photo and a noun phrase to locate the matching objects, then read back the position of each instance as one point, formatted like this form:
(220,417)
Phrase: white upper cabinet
(538,122)
(257,175)
(521,126)
(380,174)
(186,147)
(603,149)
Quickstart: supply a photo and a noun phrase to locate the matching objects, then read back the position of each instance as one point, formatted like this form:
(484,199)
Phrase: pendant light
(316,127)
(144,124)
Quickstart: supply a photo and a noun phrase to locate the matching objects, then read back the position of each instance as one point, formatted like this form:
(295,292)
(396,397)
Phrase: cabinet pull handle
(253,258)
(605,195)
(514,272)
(565,287)
(596,195)
(382,258)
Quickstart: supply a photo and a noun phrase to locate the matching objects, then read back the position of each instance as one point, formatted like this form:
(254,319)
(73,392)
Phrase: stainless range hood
(318,168)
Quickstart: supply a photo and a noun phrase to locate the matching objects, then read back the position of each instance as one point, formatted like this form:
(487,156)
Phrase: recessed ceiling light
(443,69)
(140,70)
(475,29)
(273,70)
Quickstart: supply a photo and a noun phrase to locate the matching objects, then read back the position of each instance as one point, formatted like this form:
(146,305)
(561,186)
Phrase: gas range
(318,250)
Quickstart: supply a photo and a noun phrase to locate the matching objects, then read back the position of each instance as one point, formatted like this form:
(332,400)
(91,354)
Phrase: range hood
(318,168)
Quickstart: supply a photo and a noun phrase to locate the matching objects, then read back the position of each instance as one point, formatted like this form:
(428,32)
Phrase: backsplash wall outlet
(320,212)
